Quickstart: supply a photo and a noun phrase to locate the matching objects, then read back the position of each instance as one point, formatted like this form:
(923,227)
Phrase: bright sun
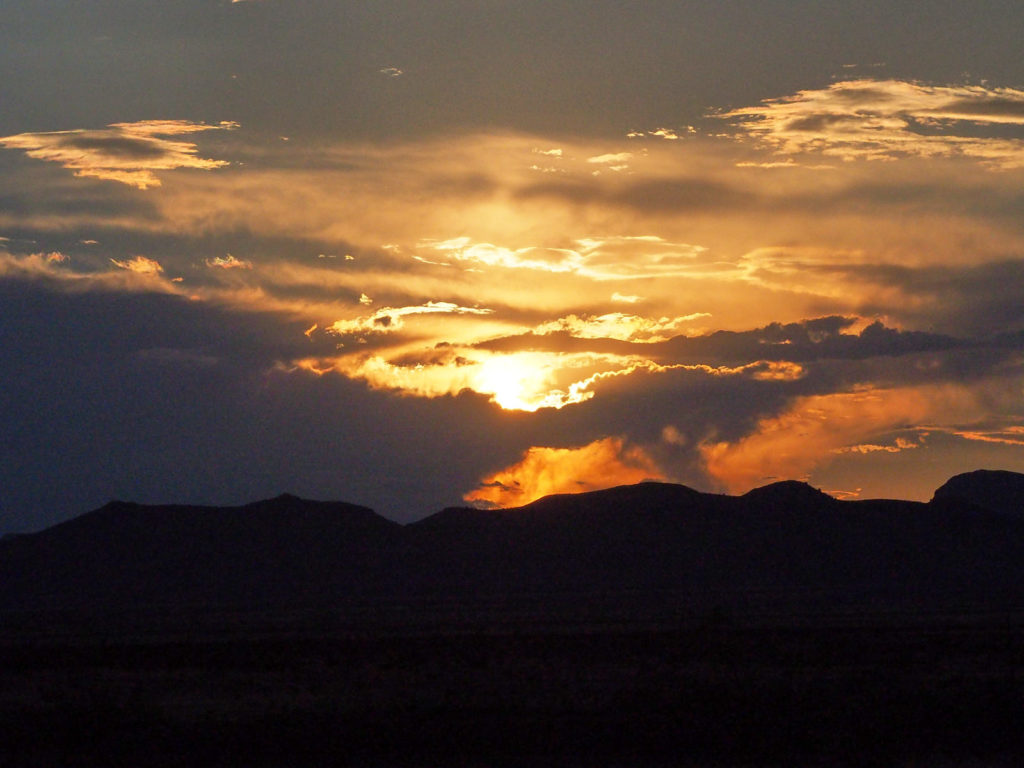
(515,382)
(528,381)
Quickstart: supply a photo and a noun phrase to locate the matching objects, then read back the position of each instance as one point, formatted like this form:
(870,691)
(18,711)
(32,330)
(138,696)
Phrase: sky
(412,255)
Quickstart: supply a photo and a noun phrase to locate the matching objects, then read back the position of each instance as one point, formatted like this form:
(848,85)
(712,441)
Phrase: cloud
(228,262)
(141,265)
(898,445)
(626,298)
(543,471)
(32,265)
(611,158)
(613,161)
(669,134)
(618,325)
(521,381)
(390,319)
(129,153)
(596,258)
(812,429)
(1007,435)
(886,119)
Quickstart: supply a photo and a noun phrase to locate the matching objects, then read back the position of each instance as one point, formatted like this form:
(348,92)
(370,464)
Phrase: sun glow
(524,382)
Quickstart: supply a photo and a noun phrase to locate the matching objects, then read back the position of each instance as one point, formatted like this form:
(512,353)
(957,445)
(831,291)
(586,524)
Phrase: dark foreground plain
(849,690)
(647,625)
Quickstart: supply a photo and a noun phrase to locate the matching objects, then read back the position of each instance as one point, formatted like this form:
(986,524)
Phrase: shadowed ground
(886,691)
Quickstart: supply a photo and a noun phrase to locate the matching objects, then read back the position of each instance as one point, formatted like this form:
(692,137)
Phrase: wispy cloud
(805,436)
(618,325)
(597,258)
(129,153)
(390,319)
(886,119)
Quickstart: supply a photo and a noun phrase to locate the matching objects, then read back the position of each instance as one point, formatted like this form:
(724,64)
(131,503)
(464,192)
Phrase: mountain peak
(790,493)
(997,490)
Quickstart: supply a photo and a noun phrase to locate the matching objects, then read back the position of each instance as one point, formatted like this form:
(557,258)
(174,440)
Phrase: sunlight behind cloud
(814,429)
(543,471)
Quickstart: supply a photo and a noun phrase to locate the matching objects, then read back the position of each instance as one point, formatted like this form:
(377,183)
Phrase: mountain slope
(646,548)
(994,490)
(270,552)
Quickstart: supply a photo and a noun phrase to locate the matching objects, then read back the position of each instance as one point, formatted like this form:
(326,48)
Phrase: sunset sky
(416,254)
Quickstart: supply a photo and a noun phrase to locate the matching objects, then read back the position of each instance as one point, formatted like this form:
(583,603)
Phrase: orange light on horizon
(544,471)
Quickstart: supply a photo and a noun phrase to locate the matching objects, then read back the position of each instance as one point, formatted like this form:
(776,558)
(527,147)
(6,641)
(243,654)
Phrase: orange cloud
(618,325)
(124,152)
(228,262)
(140,264)
(816,428)
(1007,436)
(596,258)
(520,381)
(389,319)
(885,119)
(544,471)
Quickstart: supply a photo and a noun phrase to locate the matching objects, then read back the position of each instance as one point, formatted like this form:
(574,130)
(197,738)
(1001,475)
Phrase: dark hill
(652,549)
(789,494)
(284,550)
(995,490)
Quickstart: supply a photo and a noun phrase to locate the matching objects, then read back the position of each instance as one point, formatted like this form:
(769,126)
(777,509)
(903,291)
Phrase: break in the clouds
(887,119)
(130,153)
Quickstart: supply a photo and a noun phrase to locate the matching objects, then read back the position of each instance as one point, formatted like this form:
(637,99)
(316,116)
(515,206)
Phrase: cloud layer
(489,315)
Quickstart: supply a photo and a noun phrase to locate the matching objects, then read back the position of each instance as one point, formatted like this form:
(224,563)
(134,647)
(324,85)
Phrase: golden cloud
(543,471)
(618,325)
(228,262)
(389,319)
(124,152)
(1010,435)
(885,119)
(815,428)
(522,381)
(596,258)
(141,265)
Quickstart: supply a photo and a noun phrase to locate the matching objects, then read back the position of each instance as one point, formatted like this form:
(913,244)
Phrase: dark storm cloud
(964,301)
(156,398)
(802,342)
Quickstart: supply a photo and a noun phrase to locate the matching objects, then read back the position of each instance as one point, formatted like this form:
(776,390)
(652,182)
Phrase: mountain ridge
(671,547)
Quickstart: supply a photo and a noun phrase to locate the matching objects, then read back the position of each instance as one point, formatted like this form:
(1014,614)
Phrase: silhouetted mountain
(651,549)
(995,490)
(272,552)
